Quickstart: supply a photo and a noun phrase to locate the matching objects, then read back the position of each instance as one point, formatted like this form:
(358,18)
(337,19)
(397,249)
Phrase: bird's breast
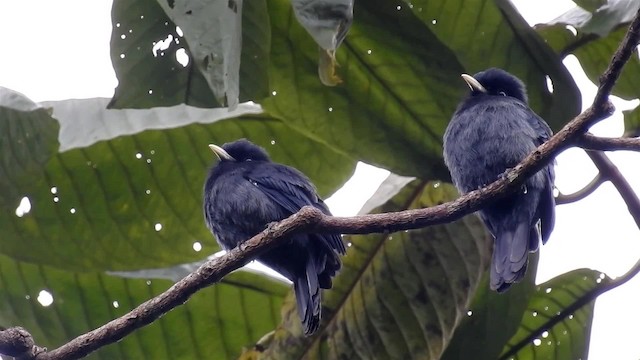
(239,210)
(483,141)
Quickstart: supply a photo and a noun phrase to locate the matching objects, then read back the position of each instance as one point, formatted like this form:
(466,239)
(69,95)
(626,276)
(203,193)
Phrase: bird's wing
(284,185)
(292,190)
(540,126)
(546,210)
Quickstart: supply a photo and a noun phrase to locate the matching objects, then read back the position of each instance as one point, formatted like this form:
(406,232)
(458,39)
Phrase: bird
(244,192)
(491,131)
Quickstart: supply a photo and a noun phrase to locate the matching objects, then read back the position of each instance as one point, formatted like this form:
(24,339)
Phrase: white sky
(55,50)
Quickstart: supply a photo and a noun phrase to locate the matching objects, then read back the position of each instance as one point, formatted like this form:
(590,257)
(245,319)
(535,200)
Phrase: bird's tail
(510,255)
(308,299)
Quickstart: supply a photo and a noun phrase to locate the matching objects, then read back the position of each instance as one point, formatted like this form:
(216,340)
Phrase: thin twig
(562,199)
(311,219)
(611,173)
(591,142)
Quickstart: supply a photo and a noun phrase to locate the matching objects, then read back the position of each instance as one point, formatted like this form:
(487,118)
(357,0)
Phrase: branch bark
(591,142)
(310,219)
(16,342)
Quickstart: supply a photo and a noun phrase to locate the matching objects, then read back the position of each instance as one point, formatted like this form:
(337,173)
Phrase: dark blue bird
(492,130)
(244,192)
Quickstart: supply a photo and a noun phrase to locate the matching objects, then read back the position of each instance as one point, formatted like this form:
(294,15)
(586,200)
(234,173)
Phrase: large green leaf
(543,334)
(399,295)
(213,30)
(150,77)
(595,57)
(392,109)
(215,324)
(593,38)
(493,318)
(27,141)
(109,202)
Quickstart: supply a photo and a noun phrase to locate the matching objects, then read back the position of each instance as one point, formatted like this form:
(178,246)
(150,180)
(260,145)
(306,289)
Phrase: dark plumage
(244,192)
(492,130)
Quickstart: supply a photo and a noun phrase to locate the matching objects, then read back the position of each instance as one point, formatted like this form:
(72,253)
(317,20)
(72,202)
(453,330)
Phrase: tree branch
(607,170)
(16,342)
(591,142)
(562,199)
(310,219)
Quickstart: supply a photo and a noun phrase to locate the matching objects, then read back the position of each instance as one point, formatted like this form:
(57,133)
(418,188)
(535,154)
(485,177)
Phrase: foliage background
(55,253)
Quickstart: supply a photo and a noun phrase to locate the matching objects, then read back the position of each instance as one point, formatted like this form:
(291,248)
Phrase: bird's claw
(508,175)
(270,226)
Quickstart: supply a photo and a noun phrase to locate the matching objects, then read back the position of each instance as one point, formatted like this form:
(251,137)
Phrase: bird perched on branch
(244,192)
(492,130)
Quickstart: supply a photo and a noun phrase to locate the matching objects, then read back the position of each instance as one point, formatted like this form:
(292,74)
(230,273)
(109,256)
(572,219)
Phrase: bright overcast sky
(54,50)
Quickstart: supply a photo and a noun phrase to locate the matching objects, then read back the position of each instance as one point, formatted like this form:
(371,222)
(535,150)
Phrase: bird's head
(239,151)
(496,82)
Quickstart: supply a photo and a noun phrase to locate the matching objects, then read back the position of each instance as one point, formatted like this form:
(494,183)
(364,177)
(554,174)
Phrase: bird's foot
(508,175)
(270,226)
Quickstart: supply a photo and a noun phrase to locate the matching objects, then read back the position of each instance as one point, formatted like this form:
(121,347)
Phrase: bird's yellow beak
(220,152)
(474,85)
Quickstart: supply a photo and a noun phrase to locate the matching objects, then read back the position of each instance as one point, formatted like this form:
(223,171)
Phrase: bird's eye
(502,93)
(248,160)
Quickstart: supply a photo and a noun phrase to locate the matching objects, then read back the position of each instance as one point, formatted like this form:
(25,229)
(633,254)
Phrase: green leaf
(493,318)
(126,198)
(391,111)
(394,107)
(601,21)
(215,323)
(27,140)
(150,77)
(399,295)
(590,5)
(213,31)
(632,122)
(595,57)
(595,40)
(586,25)
(544,334)
(486,34)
